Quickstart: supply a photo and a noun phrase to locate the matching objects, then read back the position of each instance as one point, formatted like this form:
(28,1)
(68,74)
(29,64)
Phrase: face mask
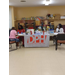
(57,26)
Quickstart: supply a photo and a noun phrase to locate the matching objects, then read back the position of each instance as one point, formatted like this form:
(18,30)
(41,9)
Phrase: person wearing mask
(59,29)
(21,30)
(12,37)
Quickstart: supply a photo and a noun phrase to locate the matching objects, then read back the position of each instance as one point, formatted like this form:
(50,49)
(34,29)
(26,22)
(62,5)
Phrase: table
(54,34)
(21,34)
(36,41)
(49,34)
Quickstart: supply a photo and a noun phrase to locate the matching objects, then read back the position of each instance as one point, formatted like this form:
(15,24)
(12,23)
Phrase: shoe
(60,44)
(17,47)
(23,45)
(54,43)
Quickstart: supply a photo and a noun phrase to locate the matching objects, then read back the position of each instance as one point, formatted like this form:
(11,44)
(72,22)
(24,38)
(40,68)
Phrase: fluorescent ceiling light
(47,2)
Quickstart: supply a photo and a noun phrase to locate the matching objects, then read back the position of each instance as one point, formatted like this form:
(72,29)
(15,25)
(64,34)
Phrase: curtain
(10,18)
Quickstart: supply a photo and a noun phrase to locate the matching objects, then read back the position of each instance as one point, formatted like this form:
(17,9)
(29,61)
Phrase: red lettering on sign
(36,39)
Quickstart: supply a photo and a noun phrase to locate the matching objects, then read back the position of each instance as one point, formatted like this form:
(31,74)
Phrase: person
(34,24)
(26,26)
(21,30)
(59,29)
(42,24)
(49,23)
(12,37)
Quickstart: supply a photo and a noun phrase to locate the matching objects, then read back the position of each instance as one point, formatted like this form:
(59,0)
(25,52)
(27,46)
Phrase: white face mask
(57,26)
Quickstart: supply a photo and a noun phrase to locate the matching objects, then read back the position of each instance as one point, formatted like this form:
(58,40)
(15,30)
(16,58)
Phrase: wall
(20,12)
(12,8)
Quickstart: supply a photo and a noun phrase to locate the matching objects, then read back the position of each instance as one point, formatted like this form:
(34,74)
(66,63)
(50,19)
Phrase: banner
(36,40)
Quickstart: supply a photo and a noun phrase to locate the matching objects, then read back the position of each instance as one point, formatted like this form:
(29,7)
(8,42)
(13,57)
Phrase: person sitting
(21,30)
(12,37)
(59,29)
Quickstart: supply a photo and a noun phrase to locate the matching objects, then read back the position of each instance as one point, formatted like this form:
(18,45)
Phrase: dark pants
(54,40)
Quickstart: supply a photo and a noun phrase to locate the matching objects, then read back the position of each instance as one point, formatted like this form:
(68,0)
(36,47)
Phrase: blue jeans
(16,40)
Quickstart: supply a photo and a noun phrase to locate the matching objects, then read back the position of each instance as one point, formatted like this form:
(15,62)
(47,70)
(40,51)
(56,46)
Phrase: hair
(13,28)
(20,26)
(60,25)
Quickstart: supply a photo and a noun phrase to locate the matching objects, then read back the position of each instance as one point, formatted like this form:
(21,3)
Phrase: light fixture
(47,2)
(23,1)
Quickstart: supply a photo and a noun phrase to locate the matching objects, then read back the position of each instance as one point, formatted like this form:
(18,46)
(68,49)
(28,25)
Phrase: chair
(63,26)
(10,43)
(60,38)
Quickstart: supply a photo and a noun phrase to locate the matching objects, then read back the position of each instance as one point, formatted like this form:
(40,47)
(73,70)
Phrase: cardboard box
(57,16)
(62,17)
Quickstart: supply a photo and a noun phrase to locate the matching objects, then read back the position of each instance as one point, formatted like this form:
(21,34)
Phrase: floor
(37,61)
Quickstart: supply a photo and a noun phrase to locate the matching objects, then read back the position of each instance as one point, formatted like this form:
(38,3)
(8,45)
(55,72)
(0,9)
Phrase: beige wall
(20,12)
(12,10)
(38,11)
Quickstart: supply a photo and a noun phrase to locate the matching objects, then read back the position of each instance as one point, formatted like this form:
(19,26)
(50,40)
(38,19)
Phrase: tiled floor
(37,61)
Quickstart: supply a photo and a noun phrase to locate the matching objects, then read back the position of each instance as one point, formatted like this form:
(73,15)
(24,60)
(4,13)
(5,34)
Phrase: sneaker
(60,44)
(17,47)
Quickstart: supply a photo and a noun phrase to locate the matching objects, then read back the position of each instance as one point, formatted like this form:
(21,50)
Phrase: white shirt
(61,30)
(57,29)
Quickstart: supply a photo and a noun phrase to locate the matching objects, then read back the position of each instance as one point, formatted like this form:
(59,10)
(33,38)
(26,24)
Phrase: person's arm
(57,29)
(15,33)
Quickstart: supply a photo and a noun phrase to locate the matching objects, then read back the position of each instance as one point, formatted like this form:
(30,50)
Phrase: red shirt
(22,30)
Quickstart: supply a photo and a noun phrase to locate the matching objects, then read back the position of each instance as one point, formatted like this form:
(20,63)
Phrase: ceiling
(18,3)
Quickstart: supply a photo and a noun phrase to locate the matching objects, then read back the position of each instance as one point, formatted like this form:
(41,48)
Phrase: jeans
(17,40)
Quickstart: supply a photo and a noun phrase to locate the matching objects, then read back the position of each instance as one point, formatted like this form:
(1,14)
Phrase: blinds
(10,18)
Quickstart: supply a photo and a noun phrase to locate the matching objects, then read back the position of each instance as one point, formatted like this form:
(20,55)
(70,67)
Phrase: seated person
(12,37)
(59,29)
(21,30)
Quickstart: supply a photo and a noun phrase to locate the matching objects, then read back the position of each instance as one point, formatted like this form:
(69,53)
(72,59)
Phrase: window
(10,18)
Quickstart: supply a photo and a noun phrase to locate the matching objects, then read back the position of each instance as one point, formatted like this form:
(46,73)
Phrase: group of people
(13,33)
